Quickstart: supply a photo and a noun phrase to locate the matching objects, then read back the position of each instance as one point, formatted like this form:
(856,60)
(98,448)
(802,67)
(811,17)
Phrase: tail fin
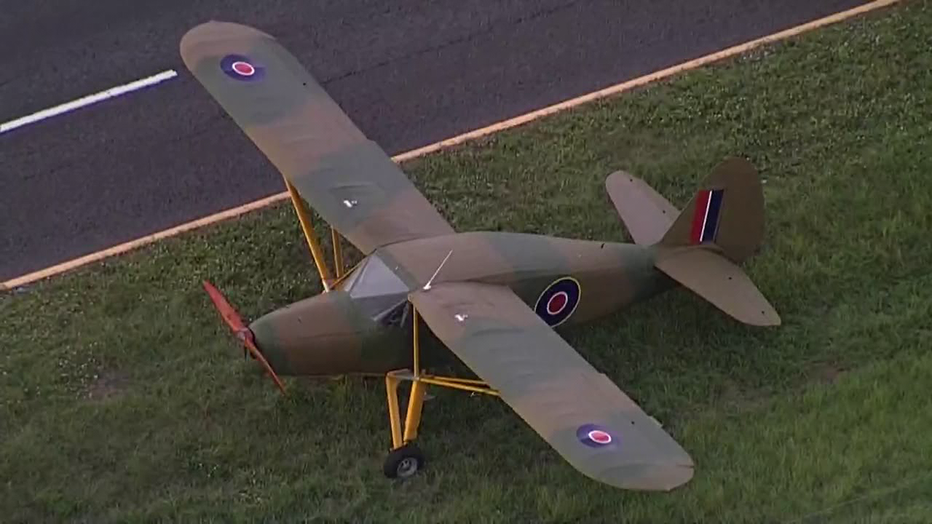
(726,213)
(700,247)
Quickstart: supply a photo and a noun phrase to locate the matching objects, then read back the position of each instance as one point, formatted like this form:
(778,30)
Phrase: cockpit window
(374,278)
(376,290)
(350,279)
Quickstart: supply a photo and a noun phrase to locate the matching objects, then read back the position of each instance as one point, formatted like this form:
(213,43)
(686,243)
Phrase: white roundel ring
(594,436)
(243,68)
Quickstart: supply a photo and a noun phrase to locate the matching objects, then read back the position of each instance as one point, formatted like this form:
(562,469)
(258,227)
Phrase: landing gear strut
(405,458)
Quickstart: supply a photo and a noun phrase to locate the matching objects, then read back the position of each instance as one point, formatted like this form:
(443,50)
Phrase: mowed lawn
(123,398)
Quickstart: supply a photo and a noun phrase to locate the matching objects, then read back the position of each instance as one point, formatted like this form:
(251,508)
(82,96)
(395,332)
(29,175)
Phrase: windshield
(374,287)
(373,278)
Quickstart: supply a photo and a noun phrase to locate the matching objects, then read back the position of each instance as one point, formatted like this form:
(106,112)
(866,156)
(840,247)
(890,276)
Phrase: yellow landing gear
(405,458)
(327,280)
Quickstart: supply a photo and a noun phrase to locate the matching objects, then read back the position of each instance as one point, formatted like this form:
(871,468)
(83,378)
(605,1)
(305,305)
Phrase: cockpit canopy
(375,288)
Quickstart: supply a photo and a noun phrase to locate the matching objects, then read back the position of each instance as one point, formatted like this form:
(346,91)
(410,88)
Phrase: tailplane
(720,281)
(701,247)
(646,213)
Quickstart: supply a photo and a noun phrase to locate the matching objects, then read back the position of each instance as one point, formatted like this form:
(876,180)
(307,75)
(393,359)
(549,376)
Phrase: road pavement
(408,72)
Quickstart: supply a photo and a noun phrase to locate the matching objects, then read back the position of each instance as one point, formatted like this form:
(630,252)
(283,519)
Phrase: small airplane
(493,299)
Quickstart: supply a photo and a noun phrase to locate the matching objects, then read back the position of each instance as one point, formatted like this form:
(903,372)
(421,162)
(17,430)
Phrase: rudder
(727,212)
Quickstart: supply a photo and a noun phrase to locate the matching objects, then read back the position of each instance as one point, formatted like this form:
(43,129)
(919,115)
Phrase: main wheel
(403,462)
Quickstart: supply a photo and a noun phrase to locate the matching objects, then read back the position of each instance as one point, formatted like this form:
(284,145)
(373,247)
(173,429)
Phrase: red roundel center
(557,303)
(244,68)
(600,437)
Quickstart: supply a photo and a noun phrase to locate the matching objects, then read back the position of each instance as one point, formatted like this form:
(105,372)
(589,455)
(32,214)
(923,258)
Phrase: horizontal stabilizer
(721,282)
(646,213)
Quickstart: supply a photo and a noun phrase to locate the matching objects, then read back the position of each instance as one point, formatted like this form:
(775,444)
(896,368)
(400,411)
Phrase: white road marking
(444,144)
(87,100)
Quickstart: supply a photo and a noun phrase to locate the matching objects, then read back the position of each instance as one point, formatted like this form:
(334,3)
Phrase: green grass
(123,398)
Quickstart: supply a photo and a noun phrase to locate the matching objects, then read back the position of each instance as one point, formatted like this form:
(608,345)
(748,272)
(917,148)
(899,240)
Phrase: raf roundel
(239,67)
(594,436)
(558,301)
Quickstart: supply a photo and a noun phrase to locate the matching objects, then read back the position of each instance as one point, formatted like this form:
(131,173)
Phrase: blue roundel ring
(595,436)
(239,67)
(558,301)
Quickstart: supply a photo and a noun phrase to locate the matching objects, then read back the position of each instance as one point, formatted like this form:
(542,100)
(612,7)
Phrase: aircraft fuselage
(362,326)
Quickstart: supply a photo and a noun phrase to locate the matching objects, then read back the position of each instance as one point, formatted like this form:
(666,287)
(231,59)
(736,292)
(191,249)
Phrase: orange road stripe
(459,139)
(139,242)
(652,77)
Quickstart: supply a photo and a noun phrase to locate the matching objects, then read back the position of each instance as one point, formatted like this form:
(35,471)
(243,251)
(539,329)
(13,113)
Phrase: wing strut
(337,252)
(304,216)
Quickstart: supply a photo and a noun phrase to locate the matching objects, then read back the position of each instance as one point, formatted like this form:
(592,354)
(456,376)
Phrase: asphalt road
(408,72)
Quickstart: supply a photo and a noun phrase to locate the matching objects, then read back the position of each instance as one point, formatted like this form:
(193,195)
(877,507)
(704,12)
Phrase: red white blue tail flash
(706,216)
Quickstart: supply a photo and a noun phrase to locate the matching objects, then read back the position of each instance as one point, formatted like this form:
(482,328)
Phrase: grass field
(123,398)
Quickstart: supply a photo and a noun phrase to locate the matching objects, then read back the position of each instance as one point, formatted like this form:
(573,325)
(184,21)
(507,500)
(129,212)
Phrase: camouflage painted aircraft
(492,298)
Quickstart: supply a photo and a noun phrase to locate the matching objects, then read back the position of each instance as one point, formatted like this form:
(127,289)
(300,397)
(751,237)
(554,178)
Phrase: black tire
(403,462)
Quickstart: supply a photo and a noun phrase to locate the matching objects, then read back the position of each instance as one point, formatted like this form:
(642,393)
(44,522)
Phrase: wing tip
(768,316)
(649,477)
(216,30)
(647,214)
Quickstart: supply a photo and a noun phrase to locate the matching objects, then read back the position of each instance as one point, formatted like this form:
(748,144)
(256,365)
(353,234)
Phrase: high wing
(580,412)
(343,175)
